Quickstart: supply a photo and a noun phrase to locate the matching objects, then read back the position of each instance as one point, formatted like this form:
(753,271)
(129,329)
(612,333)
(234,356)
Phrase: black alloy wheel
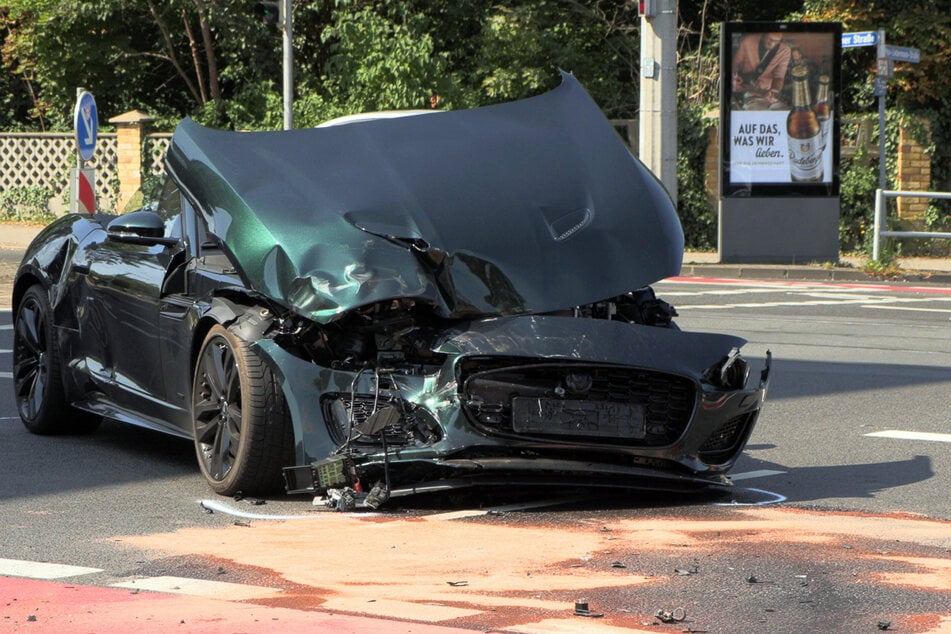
(37,382)
(242,432)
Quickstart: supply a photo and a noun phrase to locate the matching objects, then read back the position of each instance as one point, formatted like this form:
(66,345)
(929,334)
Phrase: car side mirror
(139,227)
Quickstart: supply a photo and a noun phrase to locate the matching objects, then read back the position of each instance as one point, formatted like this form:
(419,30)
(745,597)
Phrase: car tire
(241,426)
(37,372)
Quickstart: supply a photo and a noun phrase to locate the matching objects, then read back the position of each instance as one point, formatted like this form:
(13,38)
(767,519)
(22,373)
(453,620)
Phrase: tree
(162,56)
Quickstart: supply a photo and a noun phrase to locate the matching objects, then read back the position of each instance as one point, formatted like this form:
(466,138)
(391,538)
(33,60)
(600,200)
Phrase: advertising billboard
(779,108)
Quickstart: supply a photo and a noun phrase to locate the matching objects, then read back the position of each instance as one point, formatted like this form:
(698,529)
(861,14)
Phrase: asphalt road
(857,421)
(850,361)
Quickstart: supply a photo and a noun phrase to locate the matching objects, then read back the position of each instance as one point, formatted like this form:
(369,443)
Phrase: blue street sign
(862,38)
(86,124)
(902,54)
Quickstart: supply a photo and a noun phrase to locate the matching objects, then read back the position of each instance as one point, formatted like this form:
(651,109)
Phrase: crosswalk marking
(41,570)
(200,588)
(910,435)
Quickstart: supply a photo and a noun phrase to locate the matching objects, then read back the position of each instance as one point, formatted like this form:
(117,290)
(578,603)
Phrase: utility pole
(658,106)
(287,26)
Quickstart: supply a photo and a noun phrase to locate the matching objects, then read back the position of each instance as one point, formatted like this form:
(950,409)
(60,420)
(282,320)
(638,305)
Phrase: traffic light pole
(657,132)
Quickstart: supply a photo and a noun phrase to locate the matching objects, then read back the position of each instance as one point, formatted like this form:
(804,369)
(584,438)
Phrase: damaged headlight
(730,373)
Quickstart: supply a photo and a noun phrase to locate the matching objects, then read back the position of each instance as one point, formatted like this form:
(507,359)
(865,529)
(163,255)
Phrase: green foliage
(523,45)
(360,55)
(697,215)
(381,64)
(859,180)
(26,204)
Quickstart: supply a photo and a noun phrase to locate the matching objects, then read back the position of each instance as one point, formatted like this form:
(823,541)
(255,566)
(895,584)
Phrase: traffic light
(268,12)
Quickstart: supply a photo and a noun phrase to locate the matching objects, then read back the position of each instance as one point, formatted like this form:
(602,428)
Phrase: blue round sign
(86,124)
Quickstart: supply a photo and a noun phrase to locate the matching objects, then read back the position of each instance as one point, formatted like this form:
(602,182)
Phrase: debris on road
(581,609)
(674,616)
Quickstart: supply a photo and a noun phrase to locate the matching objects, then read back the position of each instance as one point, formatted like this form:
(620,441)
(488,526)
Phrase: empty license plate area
(578,418)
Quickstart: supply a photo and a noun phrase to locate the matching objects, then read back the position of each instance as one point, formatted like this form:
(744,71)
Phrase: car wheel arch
(25,281)
(247,320)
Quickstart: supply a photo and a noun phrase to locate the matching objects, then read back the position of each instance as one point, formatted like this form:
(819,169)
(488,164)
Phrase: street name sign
(861,38)
(902,54)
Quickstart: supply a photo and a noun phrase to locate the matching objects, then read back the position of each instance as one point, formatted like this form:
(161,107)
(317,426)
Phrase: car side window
(170,210)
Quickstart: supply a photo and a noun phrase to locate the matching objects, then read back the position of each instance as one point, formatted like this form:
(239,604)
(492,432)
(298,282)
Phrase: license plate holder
(569,417)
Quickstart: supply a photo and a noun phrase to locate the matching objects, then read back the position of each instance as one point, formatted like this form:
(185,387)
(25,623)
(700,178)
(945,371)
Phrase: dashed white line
(41,570)
(910,435)
(6,327)
(6,375)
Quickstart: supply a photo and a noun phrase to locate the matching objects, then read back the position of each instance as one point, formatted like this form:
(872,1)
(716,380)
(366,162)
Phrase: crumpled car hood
(525,207)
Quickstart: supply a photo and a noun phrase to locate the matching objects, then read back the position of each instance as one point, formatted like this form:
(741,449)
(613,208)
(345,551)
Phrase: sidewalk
(847,269)
(51,607)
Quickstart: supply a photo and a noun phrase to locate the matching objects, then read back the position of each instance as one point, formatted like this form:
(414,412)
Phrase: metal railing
(880,195)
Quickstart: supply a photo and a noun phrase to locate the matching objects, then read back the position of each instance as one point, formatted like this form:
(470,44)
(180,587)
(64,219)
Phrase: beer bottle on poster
(823,108)
(804,132)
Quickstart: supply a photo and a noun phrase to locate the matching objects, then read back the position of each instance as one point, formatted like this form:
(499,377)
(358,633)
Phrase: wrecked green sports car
(390,306)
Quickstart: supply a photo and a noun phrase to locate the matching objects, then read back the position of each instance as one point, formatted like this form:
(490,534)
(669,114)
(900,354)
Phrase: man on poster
(759,70)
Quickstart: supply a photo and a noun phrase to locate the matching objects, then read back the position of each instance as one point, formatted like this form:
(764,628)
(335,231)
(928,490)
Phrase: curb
(812,274)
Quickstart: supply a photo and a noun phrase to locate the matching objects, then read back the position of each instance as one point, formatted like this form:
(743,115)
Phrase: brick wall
(914,175)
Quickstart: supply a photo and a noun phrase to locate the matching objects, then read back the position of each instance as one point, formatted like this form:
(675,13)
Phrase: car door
(124,287)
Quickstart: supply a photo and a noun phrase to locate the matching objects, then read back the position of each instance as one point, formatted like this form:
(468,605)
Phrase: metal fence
(880,209)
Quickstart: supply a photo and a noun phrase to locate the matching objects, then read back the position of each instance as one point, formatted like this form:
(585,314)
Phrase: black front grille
(665,401)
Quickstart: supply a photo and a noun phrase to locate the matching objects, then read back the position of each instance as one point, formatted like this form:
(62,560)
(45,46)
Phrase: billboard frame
(756,185)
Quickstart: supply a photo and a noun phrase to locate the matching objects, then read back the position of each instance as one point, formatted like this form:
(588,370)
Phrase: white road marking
(749,475)
(775,499)
(41,570)
(200,588)
(6,327)
(821,299)
(920,310)
(6,375)
(2,351)
(722,292)
(910,435)
(219,507)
